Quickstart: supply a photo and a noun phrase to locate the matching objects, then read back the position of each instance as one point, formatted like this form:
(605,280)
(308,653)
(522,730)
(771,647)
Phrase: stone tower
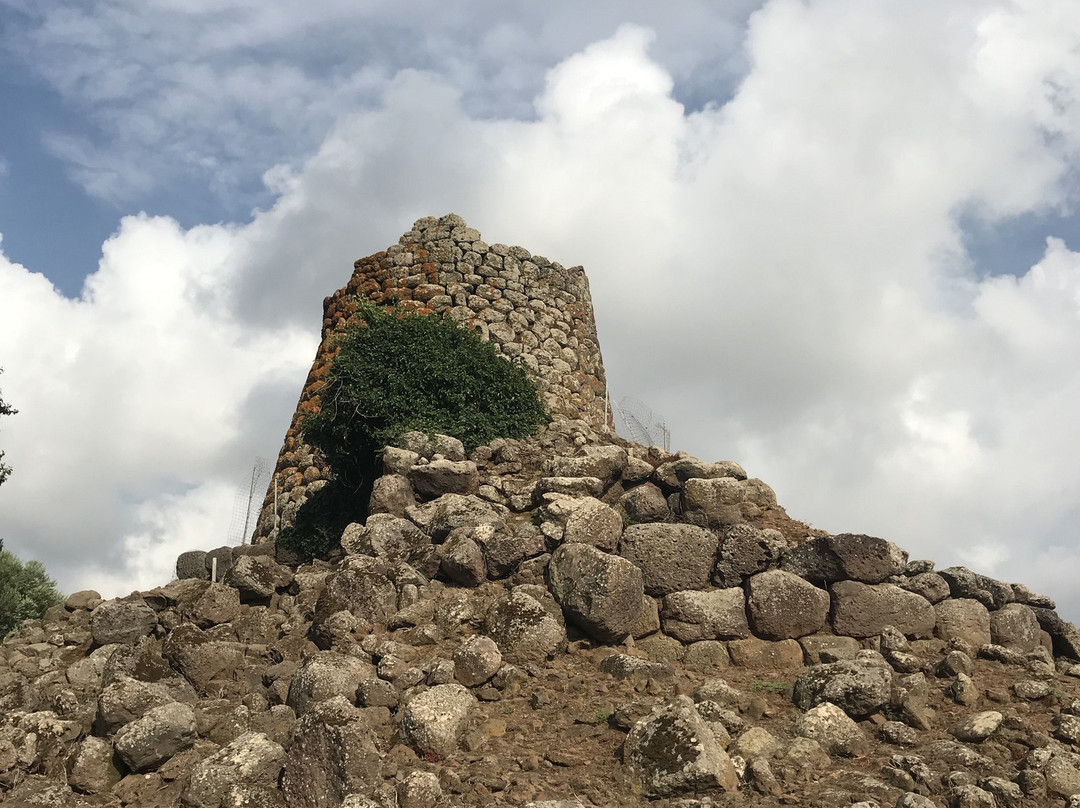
(527,306)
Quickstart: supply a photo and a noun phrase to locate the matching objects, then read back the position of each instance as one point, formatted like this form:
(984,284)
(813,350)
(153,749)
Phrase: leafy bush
(393,373)
(25,591)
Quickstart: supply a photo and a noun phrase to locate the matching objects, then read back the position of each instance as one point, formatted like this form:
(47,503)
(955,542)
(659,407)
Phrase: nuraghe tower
(529,307)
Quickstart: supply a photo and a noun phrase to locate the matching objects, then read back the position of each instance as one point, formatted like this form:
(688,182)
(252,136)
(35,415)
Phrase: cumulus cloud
(781,272)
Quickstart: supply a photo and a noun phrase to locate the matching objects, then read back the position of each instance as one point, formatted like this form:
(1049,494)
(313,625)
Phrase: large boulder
(857,687)
(147,742)
(199,658)
(257,577)
(673,750)
(671,557)
(864,610)
(719,614)
(438,517)
(127,699)
(1065,636)
(592,522)
(324,676)
(435,720)
(845,557)
(391,539)
(833,728)
(603,462)
(714,502)
(251,759)
(368,594)
(782,606)
(122,621)
(333,754)
(1015,626)
(523,629)
(643,503)
(439,477)
(600,592)
(746,550)
(964,619)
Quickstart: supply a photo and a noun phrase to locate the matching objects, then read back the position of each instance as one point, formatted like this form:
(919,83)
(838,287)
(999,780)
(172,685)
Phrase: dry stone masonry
(530,308)
(565,621)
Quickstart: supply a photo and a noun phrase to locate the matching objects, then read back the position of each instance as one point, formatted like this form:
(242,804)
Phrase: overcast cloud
(769,209)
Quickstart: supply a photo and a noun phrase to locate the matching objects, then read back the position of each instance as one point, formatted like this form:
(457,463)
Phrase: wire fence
(248,502)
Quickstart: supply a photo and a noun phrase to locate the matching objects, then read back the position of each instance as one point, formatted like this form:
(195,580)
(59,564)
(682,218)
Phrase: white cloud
(782,275)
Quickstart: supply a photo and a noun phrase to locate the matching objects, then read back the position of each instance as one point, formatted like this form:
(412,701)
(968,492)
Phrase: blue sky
(836,241)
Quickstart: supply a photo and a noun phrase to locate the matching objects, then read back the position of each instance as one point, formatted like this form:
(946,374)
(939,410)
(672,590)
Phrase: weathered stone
(218,562)
(1015,626)
(570,486)
(198,658)
(593,522)
(624,666)
(831,727)
(745,550)
(438,517)
(1065,636)
(92,767)
(704,656)
(719,614)
(324,676)
(672,557)
(672,751)
(369,595)
(217,604)
(603,462)
(755,742)
(928,584)
(439,477)
(643,503)
(782,605)
(601,593)
(714,502)
(857,688)
(147,742)
(257,577)
(476,660)
(977,728)
(250,759)
(390,538)
(333,754)
(965,619)
(435,720)
(392,494)
(862,610)
(523,629)
(845,557)
(127,699)
(828,648)
(122,621)
(763,654)
(463,559)
(192,564)
(419,789)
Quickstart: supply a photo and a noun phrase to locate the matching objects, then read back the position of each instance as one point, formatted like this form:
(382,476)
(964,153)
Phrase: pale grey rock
(643,503)
(672,751)
(783,606)
(745,550)
(671,557)
(977,728)
(600,592)
(147,742)
(603,462)
(127,699)
(324,676)
(1015,626)
(965,619)
(398,461)
(928,584)
(463,559)
(856,687)
(435,720)
(252,759)
(523,629)
(476,660)
(419,789)
(593,522)
(831,727)
(719,614)
(439,477)
(391,494)
(92,768)
(257,577)
(714,502)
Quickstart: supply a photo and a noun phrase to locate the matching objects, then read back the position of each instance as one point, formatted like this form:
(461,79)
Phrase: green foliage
(5,409)
(25,591)
(397,372)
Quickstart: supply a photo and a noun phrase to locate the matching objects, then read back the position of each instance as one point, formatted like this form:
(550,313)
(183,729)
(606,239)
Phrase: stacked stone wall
(530,308)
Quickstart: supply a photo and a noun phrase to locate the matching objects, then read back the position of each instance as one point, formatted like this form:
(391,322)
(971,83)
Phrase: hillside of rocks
(565,621)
